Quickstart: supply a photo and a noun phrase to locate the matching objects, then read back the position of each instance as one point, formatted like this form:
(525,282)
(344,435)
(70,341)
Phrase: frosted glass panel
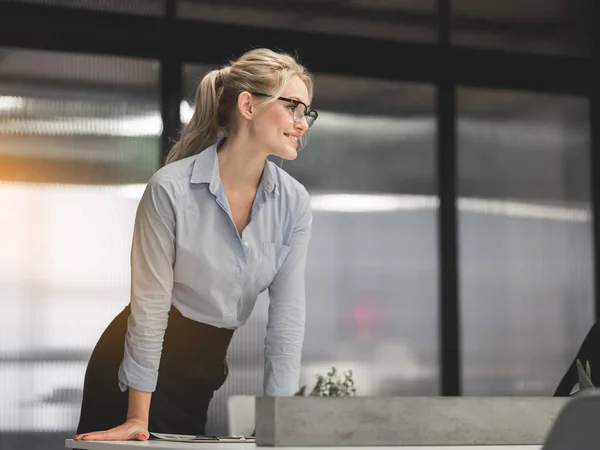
(525,241)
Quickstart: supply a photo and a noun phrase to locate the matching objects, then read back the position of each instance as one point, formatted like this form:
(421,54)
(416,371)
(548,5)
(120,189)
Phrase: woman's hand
(131,430)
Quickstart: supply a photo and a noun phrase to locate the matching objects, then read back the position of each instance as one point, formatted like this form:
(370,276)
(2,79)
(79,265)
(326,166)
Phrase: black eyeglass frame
(310,113)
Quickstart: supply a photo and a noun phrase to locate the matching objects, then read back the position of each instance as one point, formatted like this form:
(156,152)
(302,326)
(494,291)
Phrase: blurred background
(450,171)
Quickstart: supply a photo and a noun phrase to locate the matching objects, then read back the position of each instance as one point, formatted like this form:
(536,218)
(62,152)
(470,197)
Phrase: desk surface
(168,445)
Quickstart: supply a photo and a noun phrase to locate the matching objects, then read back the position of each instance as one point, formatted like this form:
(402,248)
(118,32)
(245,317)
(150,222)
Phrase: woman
(215,227)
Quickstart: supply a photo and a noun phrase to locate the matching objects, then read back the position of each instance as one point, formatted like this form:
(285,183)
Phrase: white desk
(167,445)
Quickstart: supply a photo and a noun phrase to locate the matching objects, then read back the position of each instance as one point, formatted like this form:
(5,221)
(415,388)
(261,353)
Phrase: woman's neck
(240,165)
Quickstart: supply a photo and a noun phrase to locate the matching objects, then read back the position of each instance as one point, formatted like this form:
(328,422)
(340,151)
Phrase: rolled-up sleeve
(285,327)
(152,259)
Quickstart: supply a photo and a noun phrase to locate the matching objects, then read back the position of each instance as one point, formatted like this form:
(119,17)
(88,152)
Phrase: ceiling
(559,27)
(542,26)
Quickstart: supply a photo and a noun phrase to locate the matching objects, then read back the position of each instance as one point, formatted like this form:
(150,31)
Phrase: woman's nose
(302,124)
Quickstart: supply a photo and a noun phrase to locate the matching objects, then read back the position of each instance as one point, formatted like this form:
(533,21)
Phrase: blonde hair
(260,70)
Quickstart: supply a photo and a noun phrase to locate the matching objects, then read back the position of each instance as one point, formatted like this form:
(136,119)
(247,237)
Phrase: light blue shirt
(186,251)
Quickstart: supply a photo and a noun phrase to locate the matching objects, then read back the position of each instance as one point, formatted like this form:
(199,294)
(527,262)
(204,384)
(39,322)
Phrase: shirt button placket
(246,246)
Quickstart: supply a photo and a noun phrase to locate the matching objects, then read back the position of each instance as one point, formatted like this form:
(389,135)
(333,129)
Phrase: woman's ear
(245,106)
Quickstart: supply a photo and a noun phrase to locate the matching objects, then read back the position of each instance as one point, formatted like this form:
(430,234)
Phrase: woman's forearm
(139,405)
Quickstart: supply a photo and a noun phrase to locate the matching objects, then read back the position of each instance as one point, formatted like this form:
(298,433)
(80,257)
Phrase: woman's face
(274,123)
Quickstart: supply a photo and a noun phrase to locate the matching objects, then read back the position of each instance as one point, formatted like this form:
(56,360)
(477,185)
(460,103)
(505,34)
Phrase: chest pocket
(272,259)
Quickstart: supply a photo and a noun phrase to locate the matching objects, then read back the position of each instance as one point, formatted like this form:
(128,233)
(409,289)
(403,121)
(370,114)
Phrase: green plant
(332,385)
(585,379)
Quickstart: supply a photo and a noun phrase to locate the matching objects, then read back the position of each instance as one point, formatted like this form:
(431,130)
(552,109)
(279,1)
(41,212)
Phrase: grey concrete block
(576,427)
(409,421)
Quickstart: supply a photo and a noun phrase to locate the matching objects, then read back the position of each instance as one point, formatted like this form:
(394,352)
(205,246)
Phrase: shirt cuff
(133,375)
(281,377)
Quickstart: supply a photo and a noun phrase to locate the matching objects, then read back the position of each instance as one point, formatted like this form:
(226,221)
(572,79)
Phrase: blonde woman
(217,225)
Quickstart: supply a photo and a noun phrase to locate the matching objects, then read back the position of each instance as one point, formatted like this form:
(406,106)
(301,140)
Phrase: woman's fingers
(142,435)
(121,433)
(110,435)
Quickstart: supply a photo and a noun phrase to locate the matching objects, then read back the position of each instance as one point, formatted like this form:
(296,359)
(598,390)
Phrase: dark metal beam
(79,30)
(520,71)
(449,310)
(171,80)
(372,13)
(71,30)
(595,154)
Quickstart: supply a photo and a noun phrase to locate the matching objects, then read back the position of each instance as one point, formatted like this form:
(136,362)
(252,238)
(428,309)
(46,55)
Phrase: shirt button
(246,244)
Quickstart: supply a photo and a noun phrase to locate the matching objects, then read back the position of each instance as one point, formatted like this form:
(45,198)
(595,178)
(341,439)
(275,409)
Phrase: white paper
(201,438)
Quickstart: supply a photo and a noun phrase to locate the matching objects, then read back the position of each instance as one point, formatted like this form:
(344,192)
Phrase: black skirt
(192,367)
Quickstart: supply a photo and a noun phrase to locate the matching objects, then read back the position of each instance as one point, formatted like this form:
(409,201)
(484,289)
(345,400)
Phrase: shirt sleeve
(152,259)
(285,326)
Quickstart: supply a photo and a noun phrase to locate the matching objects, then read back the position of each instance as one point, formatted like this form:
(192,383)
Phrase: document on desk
(202,438)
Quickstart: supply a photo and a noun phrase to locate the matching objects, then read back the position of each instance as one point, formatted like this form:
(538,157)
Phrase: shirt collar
(206,170)
(269,180)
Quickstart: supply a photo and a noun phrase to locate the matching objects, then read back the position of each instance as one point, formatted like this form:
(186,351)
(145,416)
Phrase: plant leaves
(575,389)
(301,392)
(585,381)
(334,384)
(588,369)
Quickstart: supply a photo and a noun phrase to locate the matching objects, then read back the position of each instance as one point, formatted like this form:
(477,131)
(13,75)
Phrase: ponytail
(206,125)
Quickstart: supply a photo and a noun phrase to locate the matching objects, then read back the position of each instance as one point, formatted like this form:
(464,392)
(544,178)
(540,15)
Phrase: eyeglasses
(298,109)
